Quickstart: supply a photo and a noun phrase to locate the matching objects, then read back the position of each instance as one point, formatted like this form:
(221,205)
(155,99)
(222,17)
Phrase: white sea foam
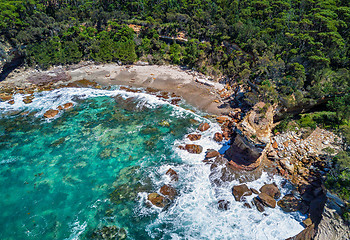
(77,229)
(46,100)
(195,213)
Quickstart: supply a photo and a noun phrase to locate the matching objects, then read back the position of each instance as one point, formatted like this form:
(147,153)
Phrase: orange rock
(274,144)
(51,113)
(5,97)
(211,153)
(68,105)
(28,99)
(194,137)
(222,119)
(193,148)
(60,108)
(285,143)
(12,102)
(218,137)
(157,200)
(173,175)
(168,191)
(203,127)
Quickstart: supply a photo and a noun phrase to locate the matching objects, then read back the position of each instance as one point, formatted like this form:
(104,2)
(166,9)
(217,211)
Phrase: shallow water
(57,175)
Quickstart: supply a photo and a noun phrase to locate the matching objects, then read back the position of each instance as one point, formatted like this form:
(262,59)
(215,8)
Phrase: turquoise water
(94,165)
(56,176)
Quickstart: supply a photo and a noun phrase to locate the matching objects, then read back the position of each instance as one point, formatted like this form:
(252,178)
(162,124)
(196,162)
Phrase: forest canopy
(292,52)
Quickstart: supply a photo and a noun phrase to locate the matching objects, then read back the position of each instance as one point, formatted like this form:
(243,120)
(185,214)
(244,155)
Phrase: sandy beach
(191,86)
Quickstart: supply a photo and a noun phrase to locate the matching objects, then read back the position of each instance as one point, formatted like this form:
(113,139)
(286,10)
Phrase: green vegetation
(293,52)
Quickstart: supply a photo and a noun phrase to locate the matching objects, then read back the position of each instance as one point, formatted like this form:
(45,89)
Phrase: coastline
(190,85)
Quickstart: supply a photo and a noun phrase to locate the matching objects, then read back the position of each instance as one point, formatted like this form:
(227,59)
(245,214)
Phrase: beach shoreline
(193,87)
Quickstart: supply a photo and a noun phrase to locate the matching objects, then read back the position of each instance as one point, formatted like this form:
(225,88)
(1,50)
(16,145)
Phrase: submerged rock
(240,191)
(203,127)
(271,190)
(109,233)
(51,113)
(193,148)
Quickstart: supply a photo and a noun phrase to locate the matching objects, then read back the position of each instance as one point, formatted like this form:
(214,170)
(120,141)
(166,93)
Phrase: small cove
(57,175)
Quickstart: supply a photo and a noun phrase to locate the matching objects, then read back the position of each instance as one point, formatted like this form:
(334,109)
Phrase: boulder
(203,127)
(258,204)
(267,200)
(157,200)
(168,191)
(223,204)
(218,137)
(289,203)
(271,190)
(173,175)
(51,113)
(68,105)
(211,153)
(194,137)
(240,191)
(193,148)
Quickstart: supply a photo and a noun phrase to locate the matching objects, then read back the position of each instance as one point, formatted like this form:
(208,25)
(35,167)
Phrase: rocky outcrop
(332,226)
(240,191)
(243,155)
(258,122)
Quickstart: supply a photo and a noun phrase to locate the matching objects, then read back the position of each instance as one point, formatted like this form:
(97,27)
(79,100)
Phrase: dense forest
(292,52)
